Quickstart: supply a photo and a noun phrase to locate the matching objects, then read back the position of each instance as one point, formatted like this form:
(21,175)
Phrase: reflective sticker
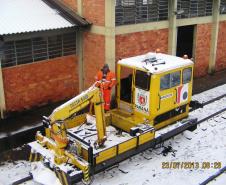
(142,100)
(182,93)
(166,96)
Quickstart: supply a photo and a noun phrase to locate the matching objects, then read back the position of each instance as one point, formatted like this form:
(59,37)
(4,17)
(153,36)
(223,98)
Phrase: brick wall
(71,3)
(93,56)
(221,47)
(138,43)
(202,55)
(39,83)
(94,11)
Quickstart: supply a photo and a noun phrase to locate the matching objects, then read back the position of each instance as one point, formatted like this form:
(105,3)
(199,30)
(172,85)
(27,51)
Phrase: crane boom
(92,95)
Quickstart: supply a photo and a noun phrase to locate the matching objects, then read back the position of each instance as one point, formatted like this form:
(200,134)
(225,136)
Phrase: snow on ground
(13,171)
(206,144)
(219,180)
(43,175)
(199,146)
(209,109)
(202,145)
(210,94)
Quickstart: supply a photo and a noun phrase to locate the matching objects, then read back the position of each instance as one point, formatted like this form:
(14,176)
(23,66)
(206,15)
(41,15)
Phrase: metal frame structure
(38,48)
(140,11)
(194,8)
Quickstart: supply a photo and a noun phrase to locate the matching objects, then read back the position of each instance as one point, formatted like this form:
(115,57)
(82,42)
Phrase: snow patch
(43,175)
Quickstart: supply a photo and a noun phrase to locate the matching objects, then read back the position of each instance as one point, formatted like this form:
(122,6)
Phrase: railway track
(163,136)
(196,105)
(214,176)
(8,142)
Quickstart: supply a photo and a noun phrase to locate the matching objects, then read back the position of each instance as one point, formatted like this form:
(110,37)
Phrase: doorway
(185,41)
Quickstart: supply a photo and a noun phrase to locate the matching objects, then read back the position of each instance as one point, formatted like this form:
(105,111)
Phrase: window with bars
(194,8)
(140,11)
(37,49)
(223,7)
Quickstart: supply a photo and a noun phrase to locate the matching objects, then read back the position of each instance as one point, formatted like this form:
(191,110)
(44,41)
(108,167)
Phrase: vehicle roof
(155,62)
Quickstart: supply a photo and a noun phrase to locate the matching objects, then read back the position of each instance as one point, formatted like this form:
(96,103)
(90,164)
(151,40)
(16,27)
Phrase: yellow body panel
(171,120)
(124,120)
(106,154)
(146,137)
(157,105)
(160,101)
(128,145)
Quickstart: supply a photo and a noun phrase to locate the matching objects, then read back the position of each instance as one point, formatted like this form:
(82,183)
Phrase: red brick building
(124,28)
(38,54)
(120,28)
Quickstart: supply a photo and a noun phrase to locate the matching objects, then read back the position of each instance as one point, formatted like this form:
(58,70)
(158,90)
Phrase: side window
(175,79)
(187,73)
(142,80)
(165,82)
(170,80)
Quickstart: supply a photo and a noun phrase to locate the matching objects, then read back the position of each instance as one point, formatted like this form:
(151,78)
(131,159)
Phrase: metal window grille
(55,46)
(37,49)
(40,51)
(194,8)
(24,51)
(140,11)
(223,7)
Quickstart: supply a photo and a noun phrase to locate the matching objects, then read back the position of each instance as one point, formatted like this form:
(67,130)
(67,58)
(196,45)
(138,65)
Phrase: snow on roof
(19,16)
(155,62)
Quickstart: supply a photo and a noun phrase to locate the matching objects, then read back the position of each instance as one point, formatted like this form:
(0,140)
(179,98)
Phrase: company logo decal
(142,100)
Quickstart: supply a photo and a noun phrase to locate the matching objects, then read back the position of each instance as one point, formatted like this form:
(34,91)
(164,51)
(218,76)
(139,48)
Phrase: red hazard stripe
(179,93)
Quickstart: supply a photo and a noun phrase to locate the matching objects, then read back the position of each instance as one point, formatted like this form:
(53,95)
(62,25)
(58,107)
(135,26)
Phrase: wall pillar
(80,50)
(110,33)
(80,59)
(79,7)
(214,36)
(2,95)
(172,38)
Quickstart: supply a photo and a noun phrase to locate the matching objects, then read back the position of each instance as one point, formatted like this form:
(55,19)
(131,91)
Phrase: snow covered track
(210,95)
(214,176)
(211,111)
(22,180)
(207,97)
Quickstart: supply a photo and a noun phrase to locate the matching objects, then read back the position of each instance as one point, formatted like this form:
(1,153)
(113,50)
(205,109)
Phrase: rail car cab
(153,88)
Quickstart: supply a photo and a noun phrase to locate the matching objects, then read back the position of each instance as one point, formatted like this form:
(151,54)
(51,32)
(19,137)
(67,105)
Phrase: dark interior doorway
(185,39)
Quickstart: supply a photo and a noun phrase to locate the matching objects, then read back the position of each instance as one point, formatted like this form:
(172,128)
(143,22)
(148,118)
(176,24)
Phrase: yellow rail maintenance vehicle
(153,90)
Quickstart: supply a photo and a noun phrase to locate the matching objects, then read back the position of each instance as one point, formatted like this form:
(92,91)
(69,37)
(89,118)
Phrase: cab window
(187,73)
(165,82)
(142,80)
(175,79)
(170,80)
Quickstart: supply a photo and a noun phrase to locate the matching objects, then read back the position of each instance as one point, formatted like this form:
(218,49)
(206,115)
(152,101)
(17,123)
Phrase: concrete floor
(209,82)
